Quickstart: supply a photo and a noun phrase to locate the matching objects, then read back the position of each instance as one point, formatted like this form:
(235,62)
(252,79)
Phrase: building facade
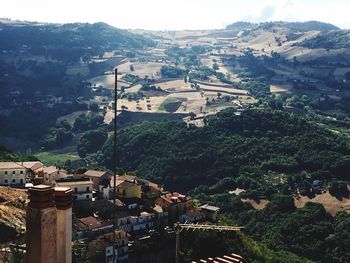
(12,174)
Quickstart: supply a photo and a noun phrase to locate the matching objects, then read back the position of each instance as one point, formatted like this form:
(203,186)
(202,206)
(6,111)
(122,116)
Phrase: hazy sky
(176,14)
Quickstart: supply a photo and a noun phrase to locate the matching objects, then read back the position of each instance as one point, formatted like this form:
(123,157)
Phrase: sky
(176,14)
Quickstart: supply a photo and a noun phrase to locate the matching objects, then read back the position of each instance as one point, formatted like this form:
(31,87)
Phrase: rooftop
(95,173)
(129,178)
(175,197)
(95,223)
(71,183)
(32,165)
(50,169)
(10,165)
(210,207)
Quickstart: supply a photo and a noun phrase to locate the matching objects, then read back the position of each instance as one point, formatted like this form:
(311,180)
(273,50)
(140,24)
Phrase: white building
(12,174)
(82,188)
(144,221)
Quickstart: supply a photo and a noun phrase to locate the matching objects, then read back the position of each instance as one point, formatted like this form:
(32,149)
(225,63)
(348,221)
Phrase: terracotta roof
(32,165)
(94,173)
(95,223)
(69,183)
(50,169)
(175,197)
(10,165)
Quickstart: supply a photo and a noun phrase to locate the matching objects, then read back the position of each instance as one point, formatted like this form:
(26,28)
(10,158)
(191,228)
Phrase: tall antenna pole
(115,159)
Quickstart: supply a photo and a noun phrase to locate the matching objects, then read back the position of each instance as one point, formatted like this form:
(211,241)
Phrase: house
(12,174)
(135,222)
(124,222)
(192,216)
(175,204)
(161,215)
(145,221)
(128,178)
(149,190)
(33,166)
(101,249)
(125,189)
(99,178)
(210,211)
(92,226)
(50,174)
(82,187)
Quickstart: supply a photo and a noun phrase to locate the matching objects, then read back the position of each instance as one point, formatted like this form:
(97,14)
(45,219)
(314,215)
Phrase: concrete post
(41,224)
(64,201)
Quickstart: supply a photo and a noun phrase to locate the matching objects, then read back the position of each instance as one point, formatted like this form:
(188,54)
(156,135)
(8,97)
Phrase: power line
(179,227)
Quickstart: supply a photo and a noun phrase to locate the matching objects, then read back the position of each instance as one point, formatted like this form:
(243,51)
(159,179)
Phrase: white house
(144,221)
(82,188)
(12,174)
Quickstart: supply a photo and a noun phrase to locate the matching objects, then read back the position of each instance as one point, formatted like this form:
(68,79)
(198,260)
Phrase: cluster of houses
(140,207)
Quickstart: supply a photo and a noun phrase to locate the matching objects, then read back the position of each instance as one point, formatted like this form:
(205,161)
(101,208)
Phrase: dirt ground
(331,204)
(151,69)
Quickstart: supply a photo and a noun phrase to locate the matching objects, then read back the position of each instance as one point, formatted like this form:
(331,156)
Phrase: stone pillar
(64,201)
(41,224)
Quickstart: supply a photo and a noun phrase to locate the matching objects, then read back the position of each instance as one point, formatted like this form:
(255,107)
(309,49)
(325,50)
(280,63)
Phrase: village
(141,208)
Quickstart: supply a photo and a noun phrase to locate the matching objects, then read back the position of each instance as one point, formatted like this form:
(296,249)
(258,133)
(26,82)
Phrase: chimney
(64,201)
(41,224)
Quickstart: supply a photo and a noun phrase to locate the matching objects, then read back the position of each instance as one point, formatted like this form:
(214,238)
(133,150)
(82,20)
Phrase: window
(87,196)
(87,189)
(21,172)
(76,190)
(6,181)
(13,172)
(21,181)
(13,180)
(5,172)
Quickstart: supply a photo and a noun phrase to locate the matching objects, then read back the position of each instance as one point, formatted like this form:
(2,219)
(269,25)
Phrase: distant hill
(66,41)
(328,40)
(298,26)
(241,26)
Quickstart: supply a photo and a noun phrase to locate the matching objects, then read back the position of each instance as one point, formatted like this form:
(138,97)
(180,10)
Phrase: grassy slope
(49,158)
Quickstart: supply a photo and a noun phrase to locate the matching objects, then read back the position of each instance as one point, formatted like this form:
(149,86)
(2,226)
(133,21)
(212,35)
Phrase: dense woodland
(253,147)
(274,154)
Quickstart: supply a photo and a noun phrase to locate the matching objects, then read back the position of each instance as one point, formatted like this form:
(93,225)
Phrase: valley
(253,118)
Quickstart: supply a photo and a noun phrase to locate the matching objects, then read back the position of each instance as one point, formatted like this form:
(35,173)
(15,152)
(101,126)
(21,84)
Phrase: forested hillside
(256,148)
(272,154)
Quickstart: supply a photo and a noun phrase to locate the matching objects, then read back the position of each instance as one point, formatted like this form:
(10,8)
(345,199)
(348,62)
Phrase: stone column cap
(63,197)
(41,196)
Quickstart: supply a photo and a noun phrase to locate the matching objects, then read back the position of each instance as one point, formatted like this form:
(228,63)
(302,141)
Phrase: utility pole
(179,227)
(115,159)
(177,246)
